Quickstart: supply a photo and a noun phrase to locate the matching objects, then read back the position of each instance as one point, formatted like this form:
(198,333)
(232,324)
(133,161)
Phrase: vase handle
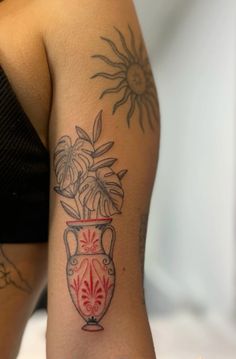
(68,252)
(113,238)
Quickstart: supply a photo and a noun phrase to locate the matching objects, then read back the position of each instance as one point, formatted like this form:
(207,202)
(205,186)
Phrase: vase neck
(90,239)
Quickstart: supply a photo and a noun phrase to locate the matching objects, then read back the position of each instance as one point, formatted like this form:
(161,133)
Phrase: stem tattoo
(96,193)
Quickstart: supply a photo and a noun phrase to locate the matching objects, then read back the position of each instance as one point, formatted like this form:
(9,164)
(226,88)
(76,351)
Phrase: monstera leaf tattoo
(83,177)
(72,161)
(102,192)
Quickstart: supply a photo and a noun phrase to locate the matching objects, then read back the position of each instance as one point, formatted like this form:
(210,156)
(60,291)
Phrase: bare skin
(65,87)
(21,50)
(19,297)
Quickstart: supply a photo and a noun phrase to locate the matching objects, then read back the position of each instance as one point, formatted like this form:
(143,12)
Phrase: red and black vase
(90,270)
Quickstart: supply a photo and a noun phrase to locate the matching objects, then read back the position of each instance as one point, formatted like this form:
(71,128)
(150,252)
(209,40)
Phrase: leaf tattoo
(72,161)
(102,192)
(93,190)
(90,182)
(103,149)
(70,210)
(97,128)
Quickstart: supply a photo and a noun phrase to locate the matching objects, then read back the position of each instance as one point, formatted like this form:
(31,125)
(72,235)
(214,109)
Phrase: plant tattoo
(97,194)
(10,274)
(135,78)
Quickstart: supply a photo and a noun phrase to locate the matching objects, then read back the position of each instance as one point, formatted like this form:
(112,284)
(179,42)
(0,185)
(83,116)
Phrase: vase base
(92,327)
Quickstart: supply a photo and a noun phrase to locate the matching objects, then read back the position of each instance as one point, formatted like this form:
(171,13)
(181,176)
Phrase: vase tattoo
(94,194)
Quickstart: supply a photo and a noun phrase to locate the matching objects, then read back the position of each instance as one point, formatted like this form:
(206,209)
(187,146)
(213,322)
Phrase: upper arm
(99,62)
(97,57)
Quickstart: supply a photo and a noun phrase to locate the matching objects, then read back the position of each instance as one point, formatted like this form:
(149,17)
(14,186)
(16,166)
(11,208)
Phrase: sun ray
(115,50)
(122,100)
(151,88)
(133,43)
(116,89)
(148,113)
(117,75)
(149,75)
(140,113)
(120,65)
(141,48)
(153,107)
(151,91)
(131,110)
(152,96)
(125,47)
(146,62)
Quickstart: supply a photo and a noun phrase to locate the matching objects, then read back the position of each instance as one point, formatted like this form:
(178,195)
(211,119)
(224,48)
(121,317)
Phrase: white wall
(191,239)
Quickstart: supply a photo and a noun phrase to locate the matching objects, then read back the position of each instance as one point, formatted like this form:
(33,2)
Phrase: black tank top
(24,173)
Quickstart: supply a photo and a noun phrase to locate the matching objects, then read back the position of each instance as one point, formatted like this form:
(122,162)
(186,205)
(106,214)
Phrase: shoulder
(23,58)
(74,27)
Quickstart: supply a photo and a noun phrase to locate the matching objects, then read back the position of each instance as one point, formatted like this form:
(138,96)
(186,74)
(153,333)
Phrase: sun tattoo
(136,84)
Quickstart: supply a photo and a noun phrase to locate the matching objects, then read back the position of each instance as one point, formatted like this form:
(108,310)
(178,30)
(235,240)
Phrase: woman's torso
(23,59)
(25,98)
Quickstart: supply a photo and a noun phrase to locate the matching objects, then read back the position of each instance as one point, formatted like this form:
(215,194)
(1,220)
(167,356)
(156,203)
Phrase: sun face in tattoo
(134,80)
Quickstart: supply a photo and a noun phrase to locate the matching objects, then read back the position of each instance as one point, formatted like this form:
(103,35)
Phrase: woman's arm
(104,137)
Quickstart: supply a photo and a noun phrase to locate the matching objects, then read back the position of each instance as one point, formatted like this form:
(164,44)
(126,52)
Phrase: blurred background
(190,270)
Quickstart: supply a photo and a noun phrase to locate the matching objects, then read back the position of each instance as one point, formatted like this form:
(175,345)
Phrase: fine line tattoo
(96,193)
(11,275)
(142,243)
(132,78)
